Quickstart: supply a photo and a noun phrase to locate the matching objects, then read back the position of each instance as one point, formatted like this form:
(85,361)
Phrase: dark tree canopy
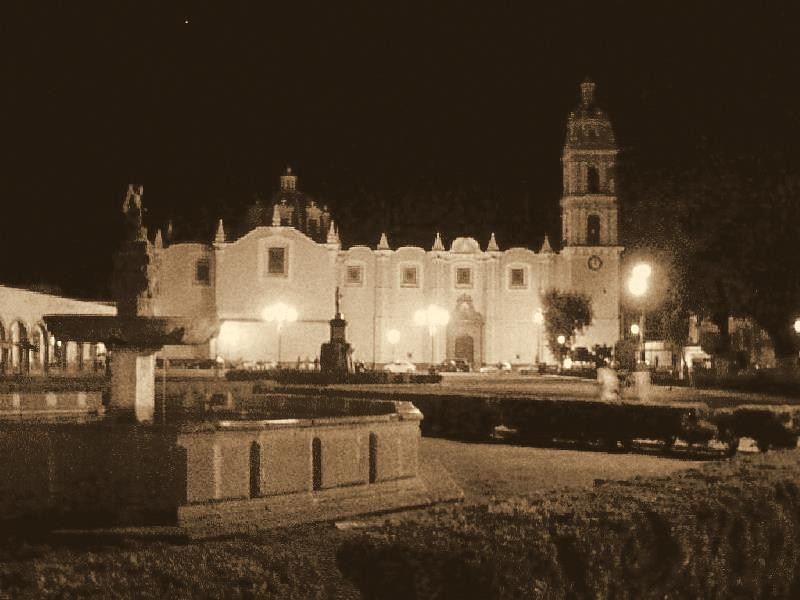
(565,313)
(726,232)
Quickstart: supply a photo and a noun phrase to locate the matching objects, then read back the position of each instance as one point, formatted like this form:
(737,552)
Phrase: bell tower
(589,201)
(590,255)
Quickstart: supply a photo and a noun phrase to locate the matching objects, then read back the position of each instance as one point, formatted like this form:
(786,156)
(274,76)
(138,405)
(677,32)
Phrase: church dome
(588,127)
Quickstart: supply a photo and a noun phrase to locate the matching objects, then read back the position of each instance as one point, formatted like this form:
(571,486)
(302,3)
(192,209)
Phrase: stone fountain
(309,458)
(135,333)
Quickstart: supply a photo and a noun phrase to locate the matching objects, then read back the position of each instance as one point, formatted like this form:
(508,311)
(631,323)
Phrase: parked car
(501,367)
(454,365)
(400,366)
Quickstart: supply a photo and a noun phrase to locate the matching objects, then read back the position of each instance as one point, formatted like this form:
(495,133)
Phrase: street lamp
(561,339)
(393,336)
(635,329)
(279,313)
(638,284)
(538,319)
(433,316)
(797,325)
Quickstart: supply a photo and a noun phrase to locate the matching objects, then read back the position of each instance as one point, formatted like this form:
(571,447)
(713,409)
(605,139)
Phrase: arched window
(593,230)
(592,180)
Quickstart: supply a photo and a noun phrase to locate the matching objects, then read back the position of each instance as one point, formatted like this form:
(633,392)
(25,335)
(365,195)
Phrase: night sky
(366,103)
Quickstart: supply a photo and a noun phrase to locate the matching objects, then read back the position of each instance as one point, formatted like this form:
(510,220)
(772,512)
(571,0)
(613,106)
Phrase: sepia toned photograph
(387,301)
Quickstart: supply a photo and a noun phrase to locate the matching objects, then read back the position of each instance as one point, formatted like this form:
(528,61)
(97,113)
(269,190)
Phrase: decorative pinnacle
(276,216)
(437,243)
(546,248)
(492,246)
(383,244)
(587,92)
(333,235)
(220,237)
(159,241)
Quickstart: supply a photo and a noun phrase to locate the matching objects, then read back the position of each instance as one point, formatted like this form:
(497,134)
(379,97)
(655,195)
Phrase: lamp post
(538,319)
(393,336)
(279,313)
(561,339)
(638,284)
(433,316)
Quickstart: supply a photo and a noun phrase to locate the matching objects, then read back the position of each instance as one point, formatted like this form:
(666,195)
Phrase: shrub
(730,530)
(769,426)
(594,420)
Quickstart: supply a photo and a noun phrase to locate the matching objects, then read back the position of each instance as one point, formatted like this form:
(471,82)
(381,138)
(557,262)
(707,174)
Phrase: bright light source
(561,339)
(279,313)
(568,363)
(538,317)
(797,326)
(642,270)
(639,279)
(635,329)
(432,316)
(393,336)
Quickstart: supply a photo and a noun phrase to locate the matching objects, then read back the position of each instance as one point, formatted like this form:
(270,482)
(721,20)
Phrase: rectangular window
(517,278)
(276,264)
(463,276)
(355,275)
(202,272)
(409,276)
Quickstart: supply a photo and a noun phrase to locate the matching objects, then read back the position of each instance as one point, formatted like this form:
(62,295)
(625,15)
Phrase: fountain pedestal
(132,384)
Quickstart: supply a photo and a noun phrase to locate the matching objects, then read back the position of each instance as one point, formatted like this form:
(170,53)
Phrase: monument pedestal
(133,384)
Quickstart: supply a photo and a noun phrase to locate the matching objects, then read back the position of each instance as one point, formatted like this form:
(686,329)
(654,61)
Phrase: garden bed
(730,529)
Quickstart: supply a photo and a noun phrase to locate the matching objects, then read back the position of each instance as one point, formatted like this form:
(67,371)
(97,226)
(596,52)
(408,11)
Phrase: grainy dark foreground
(725,529)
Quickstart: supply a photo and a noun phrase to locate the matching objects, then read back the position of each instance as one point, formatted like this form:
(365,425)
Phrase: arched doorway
(20,353)
(465,333)
(465,348)
(39,354)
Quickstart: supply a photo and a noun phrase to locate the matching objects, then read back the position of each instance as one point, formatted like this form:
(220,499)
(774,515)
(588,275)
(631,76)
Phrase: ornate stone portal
(465,332)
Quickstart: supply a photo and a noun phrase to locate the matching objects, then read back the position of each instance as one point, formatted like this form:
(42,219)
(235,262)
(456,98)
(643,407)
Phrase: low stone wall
(33,404)
(115,474)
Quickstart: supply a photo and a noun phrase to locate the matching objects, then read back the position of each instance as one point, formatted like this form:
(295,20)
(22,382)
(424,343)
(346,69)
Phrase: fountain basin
(135,331)
(214,477)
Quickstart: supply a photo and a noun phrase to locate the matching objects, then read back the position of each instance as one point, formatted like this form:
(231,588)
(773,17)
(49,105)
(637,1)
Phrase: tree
(728,229)
(565,313)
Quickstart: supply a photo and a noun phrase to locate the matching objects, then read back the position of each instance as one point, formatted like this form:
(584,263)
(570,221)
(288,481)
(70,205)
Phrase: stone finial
(333,235)
(159,241)
(546,247)
(492,246)
(587,92)
(288,181)
(168,239)
(438,246)
(383,244)
(276,215)
(219,238)
(134,211)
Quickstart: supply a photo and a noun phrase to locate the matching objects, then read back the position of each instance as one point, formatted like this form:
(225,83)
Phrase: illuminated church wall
(491,294)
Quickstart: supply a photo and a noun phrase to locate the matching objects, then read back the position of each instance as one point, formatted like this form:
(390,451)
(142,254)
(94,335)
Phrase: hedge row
(300,377)
(474,417)
(730,530)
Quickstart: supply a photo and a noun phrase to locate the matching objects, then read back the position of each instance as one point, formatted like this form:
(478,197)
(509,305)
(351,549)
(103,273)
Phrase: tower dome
(588,127)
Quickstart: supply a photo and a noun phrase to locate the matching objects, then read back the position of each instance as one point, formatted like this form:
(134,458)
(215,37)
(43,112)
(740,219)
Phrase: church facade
(291,254)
